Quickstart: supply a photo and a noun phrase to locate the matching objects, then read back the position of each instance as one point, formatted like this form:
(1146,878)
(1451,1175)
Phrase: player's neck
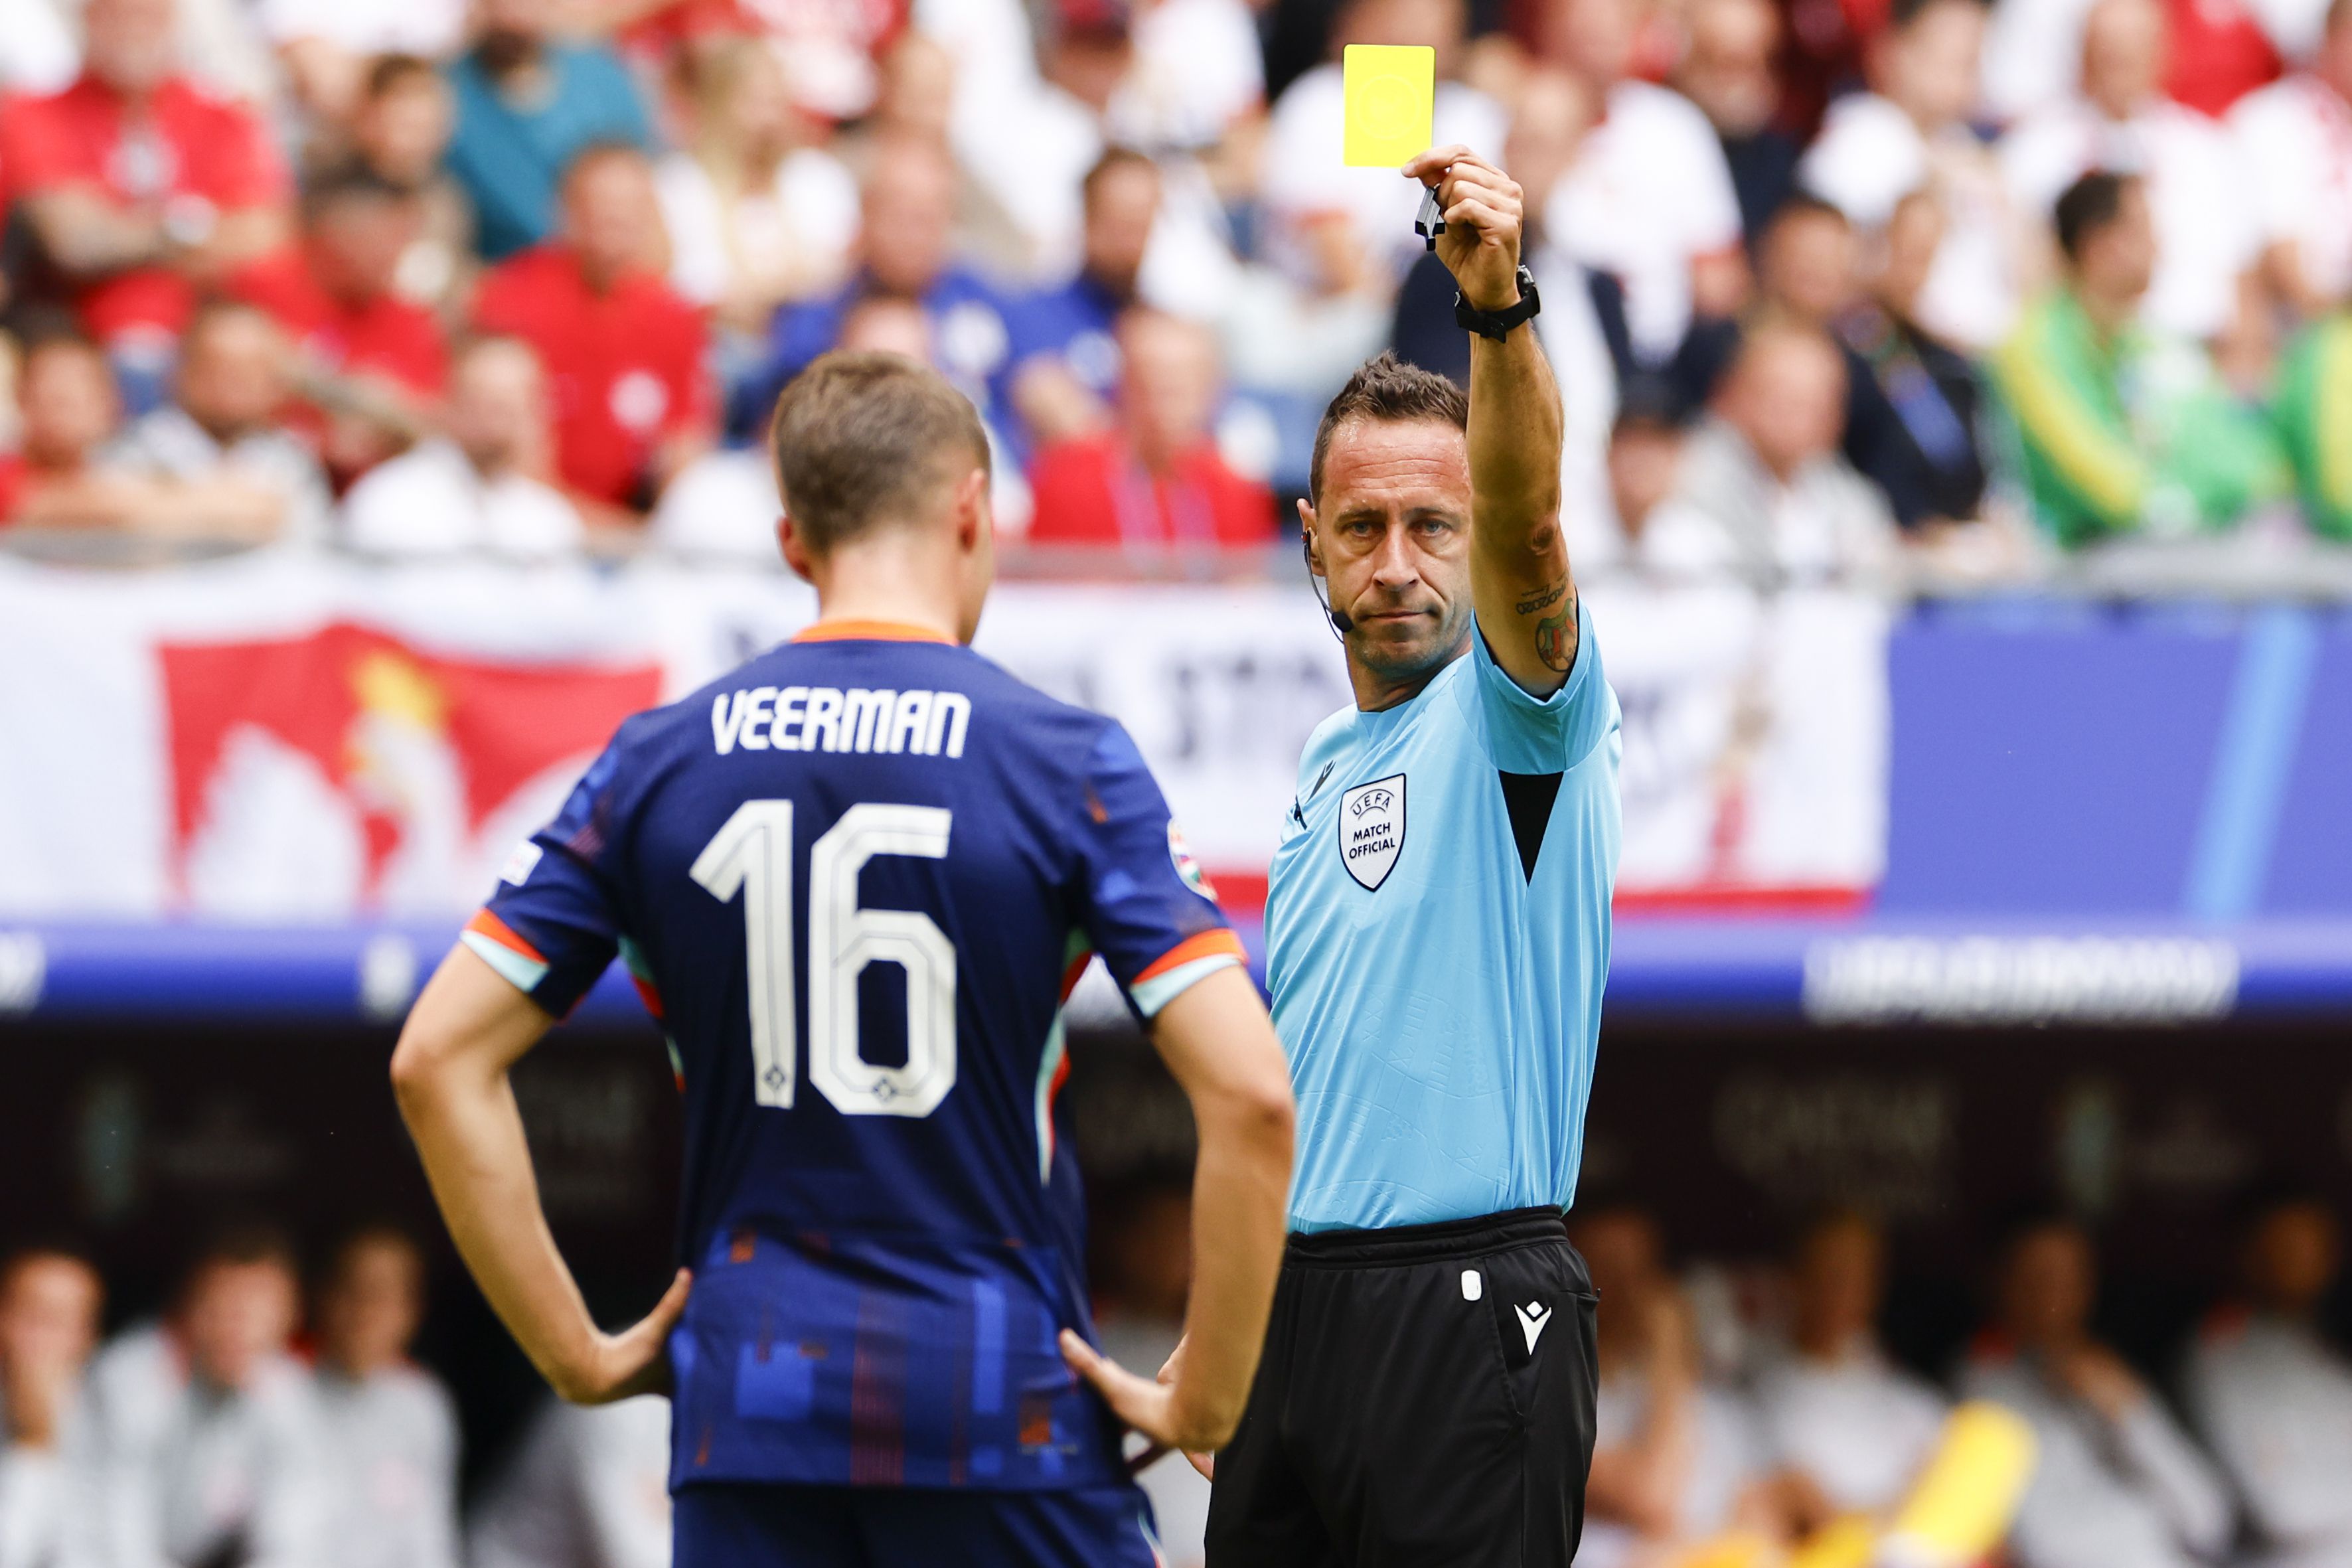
(892,579)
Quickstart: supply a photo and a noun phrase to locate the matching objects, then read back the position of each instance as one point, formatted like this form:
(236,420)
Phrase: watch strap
(1497,324)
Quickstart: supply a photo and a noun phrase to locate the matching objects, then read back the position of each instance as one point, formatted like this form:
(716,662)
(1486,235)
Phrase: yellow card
(1392,102)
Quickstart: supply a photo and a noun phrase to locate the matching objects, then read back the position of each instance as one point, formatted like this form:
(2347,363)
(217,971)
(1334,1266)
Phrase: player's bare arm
(1220,1046)
(1520,582)
(450,1071)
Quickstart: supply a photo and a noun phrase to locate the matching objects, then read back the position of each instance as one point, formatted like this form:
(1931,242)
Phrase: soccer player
(1438,932)
(857,878)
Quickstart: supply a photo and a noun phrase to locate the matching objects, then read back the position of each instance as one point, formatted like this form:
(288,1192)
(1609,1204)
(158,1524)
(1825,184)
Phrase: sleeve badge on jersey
(1372,829)
(521,863)
(1187,868)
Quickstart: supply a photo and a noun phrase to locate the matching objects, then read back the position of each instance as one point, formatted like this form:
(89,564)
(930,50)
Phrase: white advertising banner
(279,739)
(1756,731)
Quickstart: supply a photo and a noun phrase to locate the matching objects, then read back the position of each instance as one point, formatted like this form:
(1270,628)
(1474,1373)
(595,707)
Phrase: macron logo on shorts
(827,719)
(1532,1319)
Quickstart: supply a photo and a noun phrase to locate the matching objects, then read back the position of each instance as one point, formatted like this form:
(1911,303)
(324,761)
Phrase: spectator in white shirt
(1304,177)
(479,489)
(1674,1460)
(589,1488)
(2031,50)
(1727,71)
(755,217)
(326,46)
(198,1440)
(1763,495)
(1912,132)
(2273,1397)
(1027,117)
(2116,1483)
(391,1431)
(2121,122)
(48,1322)
(1649,197)
(2295,150)
(1197,71)
(1645,465)
(234,378)
(1833,1407)
(1583,321)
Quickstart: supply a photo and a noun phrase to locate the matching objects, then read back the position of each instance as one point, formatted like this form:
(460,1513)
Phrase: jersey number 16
(752,854)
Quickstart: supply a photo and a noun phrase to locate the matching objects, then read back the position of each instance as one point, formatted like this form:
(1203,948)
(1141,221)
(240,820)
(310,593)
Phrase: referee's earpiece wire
(1339,624)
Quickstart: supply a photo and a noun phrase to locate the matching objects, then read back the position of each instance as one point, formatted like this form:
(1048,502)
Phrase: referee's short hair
(1391,390)
(866,438)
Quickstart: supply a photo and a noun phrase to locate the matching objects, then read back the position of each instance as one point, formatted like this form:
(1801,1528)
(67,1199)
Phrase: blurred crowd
(1745,1411)
(1832,286)
(254,1423)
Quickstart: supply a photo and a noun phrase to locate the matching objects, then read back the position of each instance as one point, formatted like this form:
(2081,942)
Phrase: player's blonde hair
(866,437)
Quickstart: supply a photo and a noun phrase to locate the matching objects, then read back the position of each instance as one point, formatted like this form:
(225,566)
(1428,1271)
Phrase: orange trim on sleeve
(1208,944)
(871,631)
(487,924)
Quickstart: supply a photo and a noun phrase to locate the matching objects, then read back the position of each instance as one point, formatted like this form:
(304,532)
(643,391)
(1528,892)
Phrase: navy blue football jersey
(856,880)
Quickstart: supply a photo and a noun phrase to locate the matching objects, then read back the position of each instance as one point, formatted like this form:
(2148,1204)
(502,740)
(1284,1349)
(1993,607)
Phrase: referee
(1438,932)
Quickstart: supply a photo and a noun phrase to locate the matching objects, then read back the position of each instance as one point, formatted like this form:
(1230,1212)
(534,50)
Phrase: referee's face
(1391,537)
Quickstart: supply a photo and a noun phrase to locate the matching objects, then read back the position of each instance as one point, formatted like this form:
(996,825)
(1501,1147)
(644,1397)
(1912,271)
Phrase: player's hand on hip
(1201,1460)
(1484,209)
(634,1361)
(1158,1410)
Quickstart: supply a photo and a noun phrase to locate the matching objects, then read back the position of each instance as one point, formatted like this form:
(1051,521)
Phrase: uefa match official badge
(1372,829)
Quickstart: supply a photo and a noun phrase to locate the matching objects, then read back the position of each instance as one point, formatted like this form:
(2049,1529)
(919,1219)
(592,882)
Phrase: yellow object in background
(1741,1548)
(1848,1542)
(1958,1510)
(1390,92)
(1961,1507)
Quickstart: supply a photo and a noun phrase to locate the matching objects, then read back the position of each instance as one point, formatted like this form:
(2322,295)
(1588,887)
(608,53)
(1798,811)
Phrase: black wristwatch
(1497,324)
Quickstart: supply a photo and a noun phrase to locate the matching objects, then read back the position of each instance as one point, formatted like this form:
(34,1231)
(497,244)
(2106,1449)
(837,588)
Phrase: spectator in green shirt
(2120,431)
(2312,406)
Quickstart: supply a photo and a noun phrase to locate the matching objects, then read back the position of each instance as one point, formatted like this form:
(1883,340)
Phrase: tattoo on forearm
(1556,639)
(1542,598)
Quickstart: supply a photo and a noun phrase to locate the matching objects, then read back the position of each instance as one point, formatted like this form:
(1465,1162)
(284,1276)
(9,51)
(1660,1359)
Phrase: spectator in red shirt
(70,408)
(624,354)
(142,188)
(371,363)
(1156,482)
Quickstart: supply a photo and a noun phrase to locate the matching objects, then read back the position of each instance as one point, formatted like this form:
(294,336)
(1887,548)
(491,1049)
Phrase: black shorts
(1425,1398)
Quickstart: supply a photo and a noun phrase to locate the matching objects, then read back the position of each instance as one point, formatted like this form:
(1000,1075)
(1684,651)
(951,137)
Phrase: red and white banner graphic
(291,740)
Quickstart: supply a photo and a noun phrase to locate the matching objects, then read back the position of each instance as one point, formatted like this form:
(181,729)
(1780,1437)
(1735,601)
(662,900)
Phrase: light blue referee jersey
(1437,933)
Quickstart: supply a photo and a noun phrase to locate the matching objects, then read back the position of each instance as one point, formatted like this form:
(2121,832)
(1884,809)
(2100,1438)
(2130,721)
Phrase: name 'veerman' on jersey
(828,718)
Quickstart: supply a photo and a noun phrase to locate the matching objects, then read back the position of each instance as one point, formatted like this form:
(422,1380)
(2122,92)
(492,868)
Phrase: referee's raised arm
(1520,582)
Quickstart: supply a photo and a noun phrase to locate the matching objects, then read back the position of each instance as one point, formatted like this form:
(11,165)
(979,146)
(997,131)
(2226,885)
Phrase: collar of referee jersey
(871,631)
